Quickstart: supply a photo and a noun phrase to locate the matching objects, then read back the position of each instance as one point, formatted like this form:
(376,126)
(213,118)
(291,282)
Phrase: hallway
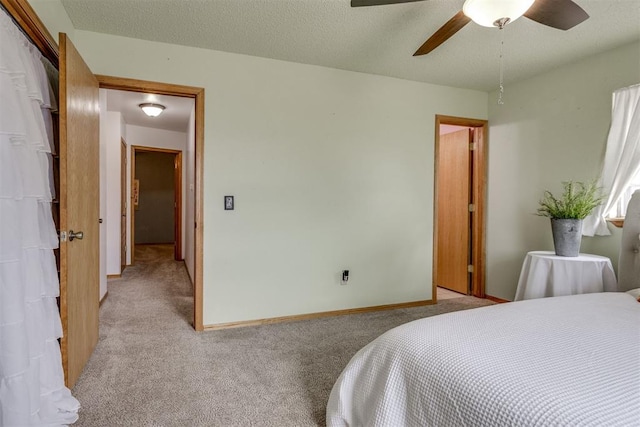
(155,286)
(145,313)
(150,368)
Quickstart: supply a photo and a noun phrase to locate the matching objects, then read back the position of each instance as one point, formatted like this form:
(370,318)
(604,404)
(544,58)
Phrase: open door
(459,204)
(453,216)
(79,210)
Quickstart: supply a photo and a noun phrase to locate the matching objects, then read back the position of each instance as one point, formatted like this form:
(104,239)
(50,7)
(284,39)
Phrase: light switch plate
(228,203)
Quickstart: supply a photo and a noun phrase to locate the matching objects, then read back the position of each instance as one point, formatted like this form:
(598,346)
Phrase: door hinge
(63,236)
(472,207)
(472,146)
(470,268)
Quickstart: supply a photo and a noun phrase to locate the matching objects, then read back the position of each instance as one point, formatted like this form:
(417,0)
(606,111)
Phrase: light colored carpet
(151,368)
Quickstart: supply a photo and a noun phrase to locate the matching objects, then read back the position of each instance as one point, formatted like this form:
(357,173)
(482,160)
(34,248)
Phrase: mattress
(571,360)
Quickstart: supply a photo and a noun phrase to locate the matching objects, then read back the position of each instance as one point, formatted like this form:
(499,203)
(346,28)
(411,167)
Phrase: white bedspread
(564,361)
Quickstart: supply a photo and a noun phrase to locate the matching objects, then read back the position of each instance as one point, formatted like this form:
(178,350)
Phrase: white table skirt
(544,274)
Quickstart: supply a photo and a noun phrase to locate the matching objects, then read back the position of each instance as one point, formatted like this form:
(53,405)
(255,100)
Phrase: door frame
(197,93)
(478,187)
(177,208)
(123,204)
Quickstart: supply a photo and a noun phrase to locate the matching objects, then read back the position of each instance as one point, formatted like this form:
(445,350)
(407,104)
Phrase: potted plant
(567,212)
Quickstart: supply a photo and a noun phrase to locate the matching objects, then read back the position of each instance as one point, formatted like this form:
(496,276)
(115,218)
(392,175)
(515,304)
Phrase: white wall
(103,194)
(330,169)
(552,128)
(189,218)
(113,130)
(155,138)
(333,170)
(54,17)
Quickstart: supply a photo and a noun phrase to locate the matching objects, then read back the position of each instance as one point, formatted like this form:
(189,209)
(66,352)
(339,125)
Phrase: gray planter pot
(567,236)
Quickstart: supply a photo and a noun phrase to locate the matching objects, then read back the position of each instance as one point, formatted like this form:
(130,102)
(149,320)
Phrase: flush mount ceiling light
(152,110)
(495,13)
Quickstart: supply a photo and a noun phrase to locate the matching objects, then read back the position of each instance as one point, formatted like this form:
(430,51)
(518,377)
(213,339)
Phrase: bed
(571,360)
(563,361)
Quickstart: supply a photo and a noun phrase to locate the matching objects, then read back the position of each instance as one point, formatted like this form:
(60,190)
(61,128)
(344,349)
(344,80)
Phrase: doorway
(459,205)
(196,189)
(156,189)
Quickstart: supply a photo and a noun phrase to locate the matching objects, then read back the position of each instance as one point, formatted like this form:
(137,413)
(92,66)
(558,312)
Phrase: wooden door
(79,210)
(123,205)
(177,205)
(135,194)
(453,221)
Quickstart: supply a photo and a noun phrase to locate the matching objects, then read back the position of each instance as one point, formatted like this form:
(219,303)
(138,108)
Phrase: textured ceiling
(377,40)
(175,117)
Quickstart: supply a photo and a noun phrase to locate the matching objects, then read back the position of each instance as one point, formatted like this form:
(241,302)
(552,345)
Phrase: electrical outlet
(345,277)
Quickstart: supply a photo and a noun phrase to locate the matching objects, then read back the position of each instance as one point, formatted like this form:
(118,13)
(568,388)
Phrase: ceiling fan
(560,14)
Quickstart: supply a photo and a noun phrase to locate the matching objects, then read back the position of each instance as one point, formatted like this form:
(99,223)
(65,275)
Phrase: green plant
(577,201)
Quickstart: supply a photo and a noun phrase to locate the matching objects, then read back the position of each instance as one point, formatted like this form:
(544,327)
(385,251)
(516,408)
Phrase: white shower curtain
(32,390)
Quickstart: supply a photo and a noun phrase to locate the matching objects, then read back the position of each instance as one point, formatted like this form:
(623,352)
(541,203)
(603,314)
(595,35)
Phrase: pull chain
(501,93)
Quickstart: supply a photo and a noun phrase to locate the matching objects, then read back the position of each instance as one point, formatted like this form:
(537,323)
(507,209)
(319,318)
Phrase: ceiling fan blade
(442,35)
(560,14)
(359,3)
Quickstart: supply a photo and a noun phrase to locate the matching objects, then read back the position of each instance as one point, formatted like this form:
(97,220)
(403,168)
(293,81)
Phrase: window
(620,208)
(621,161)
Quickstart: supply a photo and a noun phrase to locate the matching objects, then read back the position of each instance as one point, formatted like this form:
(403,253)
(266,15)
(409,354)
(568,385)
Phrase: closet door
(79,210)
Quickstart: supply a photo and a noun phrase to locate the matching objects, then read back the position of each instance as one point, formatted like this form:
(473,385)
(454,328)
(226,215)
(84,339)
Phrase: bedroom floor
(151,368)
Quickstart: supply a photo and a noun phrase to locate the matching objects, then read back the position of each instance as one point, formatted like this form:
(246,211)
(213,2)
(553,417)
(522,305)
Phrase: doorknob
(79,235)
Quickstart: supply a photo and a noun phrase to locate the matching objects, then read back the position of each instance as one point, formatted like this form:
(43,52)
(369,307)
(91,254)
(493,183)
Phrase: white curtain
(622,156)
(32,390)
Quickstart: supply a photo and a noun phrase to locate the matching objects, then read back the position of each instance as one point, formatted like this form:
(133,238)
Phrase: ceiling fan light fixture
(152,110)
(495,13)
